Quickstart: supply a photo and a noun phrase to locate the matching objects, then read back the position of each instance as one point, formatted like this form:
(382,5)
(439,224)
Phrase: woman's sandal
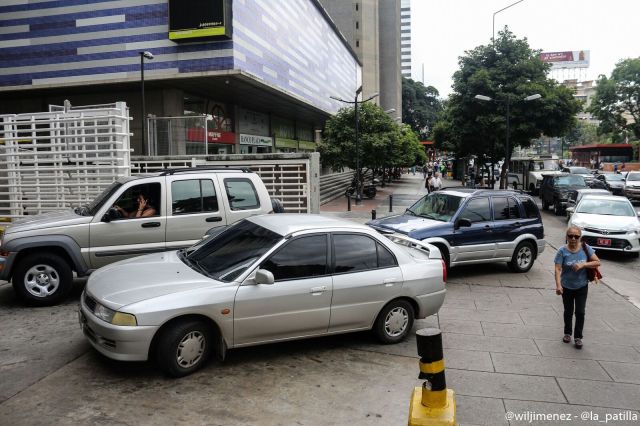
(578,343)
(566,338)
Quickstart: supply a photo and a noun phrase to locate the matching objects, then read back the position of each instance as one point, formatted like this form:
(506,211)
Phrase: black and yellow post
(433,403)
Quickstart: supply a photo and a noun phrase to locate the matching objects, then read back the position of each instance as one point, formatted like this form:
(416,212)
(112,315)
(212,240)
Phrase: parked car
(580,171)
(632,186)
(608,222)
(613,182)
(555,190)
(472,226)
(266,279)
(576,195)
(41,253)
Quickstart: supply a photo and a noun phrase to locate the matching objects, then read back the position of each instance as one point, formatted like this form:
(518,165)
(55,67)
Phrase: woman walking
(571,264)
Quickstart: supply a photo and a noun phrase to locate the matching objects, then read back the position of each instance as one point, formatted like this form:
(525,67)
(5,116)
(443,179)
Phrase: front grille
(616,243)
(604,231)
(88,300)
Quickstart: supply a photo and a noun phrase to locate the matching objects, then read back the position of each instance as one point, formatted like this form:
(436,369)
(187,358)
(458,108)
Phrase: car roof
(465,192)
(593,190)
(288,223)
(605,197)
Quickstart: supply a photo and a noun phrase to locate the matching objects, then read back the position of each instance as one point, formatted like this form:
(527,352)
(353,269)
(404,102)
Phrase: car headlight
(114,317)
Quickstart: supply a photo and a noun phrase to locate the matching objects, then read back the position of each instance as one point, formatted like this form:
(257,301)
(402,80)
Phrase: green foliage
(382,142)
(507,73)
(420,107)
(617,101)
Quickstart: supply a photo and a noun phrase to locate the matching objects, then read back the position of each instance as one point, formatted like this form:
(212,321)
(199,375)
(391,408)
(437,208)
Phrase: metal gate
(61,158)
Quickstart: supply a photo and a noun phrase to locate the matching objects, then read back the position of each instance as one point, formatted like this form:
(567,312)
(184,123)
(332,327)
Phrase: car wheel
(545,205)
(42,279)
(184,347)
(394,322)
(557,208)
(523,257)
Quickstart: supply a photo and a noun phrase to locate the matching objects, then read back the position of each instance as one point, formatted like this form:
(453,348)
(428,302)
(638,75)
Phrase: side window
(530,208)
(500,208)
(477,210)
(242,194)
(193,196)
(303,257)
(514,209)
(354,253)
(145,197)
(385,258)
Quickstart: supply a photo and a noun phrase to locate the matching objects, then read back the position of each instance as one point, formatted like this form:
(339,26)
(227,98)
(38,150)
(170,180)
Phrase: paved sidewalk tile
(623,372)
(582,415)
(479,315)
(499,385)
(490,344)
(452,326)
(475,410)
(601,394)
(545,317)
(589,351)
(548,366)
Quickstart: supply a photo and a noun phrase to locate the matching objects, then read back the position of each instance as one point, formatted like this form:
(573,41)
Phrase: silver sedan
(266,279)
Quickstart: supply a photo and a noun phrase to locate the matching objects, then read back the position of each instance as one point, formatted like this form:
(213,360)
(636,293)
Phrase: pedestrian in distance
(436,182)
(429,183)
(425,169)
(615,168)
(571,263)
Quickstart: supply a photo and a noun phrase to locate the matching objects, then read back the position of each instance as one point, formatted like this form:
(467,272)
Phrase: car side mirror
(264,277)
(462,222)
(110,215)
(570,210)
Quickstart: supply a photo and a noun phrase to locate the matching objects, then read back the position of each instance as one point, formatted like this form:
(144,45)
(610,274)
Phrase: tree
(585,133)
(617,101)
(420,107)
(382,142)
(507,72)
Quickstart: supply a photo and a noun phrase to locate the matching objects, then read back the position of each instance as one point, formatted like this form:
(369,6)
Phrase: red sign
(214,136)
(557,56)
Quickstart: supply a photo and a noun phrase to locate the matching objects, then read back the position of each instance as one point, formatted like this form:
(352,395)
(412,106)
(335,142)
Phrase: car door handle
(487,228)
(150,224)
(213,219)
(320,289)
(389,282)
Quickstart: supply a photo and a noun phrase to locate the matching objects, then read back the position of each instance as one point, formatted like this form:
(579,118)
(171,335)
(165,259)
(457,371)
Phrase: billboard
(192,20)
(568,59)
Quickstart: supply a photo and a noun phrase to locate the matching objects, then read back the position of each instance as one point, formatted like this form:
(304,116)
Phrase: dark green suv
(555,190)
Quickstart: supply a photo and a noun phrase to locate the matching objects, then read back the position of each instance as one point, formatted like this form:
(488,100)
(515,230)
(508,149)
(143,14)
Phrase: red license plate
(604,242)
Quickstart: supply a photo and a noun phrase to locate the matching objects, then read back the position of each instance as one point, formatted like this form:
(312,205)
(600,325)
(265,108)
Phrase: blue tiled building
(272,78)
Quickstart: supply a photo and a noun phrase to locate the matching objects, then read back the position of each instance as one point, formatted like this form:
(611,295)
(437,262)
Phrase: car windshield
(580,171)
(618,178)
(97,202)
(570,180)
(633,177)
(437,205)
(606,207)
(226,256)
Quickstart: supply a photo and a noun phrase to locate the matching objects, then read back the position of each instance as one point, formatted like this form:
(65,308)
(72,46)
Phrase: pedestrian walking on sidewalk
(571,263)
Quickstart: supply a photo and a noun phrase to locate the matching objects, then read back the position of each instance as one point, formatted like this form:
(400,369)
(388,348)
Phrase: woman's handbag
(593,274)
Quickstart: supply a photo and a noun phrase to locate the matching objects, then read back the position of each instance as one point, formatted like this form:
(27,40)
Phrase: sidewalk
(502,337)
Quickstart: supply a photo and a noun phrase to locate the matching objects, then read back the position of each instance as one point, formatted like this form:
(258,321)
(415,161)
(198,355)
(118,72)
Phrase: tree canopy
(507,72)
(382,142)
(420,107)
(617,101)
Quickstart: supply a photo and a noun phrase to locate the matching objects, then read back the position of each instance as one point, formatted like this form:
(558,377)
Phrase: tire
(557,208)
(42,279)
(523,257)
(277,206)
(370,192)
(184,348)
(394,322)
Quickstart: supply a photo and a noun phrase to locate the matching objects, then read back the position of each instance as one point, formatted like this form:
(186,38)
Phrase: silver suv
(133,216)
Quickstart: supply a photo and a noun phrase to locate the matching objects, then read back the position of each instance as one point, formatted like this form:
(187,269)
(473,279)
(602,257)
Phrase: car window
(385,258)
(354,253)
(633,177)
(514,209)
(193,196)
(129,202)
(569,180)
(242,194)
(530,209)
(606,207)
(437,205)
(500,208)
(477,210)
(304,257)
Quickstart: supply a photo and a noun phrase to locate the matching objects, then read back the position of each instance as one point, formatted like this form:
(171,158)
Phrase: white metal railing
(61,158)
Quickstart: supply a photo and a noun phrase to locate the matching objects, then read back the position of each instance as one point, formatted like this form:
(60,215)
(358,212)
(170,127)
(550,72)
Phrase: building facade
(261,73)
(405,38)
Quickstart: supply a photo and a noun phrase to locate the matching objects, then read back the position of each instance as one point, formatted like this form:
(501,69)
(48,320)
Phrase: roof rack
(169,172)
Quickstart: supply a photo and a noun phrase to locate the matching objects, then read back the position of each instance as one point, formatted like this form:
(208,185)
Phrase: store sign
(255,140)
(190,20)
(196,134)
(568,59)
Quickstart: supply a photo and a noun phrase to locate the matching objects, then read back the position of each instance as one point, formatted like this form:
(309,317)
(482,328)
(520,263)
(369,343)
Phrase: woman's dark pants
(579,299)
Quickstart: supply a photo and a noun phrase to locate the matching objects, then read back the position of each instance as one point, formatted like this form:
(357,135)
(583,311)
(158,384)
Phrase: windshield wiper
(428,216)
(410,212)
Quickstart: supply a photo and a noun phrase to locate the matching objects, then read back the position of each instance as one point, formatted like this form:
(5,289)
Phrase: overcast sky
(442,30)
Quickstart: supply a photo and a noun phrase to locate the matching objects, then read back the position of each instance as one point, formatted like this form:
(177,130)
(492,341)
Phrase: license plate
(604,242)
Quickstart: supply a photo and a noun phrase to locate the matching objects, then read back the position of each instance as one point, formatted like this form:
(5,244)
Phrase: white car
(608,222)
(265,279)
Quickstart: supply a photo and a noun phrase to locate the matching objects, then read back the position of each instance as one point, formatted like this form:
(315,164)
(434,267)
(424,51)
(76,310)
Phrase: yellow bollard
(433,403)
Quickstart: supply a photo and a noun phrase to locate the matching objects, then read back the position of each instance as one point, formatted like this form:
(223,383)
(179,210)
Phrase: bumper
(116,342)
(541,243)
(6,263)
(622,243)
(430,303)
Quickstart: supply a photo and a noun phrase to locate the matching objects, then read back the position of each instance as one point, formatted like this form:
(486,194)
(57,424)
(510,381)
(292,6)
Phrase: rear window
(530,208)
(242,194)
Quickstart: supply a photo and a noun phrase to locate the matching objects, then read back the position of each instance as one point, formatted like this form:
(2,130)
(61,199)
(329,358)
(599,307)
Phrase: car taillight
(444,271)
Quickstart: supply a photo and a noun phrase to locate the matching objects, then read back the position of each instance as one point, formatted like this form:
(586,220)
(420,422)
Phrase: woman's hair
(575,228)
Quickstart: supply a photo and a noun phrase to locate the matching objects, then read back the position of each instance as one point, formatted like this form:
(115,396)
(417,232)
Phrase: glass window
(385,257)
(514,210)
(500,208)
(303,257)
(193,196)
(530,208)
(146,196)
(437,205)
(241,194)
(477,210)
(354,253)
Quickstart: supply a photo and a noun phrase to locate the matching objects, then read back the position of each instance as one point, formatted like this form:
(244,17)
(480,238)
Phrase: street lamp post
(355,102)
(507,102)
(494,20)
(149,56)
